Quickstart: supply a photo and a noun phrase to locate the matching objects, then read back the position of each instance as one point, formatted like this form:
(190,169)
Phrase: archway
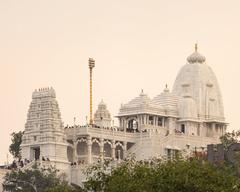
(95,148)
(107,150)
(119,152)
(82,148)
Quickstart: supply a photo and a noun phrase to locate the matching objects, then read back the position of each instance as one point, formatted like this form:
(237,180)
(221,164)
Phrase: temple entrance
(36,153)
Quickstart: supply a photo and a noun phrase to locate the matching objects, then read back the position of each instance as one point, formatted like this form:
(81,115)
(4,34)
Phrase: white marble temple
(185,119)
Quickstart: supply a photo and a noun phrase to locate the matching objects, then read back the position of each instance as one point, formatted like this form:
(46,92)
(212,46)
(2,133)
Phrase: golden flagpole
(91,64)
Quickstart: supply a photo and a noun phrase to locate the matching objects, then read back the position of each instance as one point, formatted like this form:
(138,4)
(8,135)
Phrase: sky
(137,44)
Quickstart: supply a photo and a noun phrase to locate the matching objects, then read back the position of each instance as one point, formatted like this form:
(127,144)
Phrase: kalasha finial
(196,47)
(91,63)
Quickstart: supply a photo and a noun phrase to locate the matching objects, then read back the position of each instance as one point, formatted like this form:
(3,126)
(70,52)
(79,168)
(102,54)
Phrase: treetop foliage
(14,148)
(178,175)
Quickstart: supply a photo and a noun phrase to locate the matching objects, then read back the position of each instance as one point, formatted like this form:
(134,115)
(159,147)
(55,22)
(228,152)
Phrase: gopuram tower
(44,137)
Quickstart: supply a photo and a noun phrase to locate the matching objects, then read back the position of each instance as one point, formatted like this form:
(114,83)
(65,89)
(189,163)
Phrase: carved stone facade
(44,136)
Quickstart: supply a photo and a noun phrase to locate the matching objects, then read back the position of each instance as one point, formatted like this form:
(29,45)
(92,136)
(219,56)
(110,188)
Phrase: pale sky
(136,44)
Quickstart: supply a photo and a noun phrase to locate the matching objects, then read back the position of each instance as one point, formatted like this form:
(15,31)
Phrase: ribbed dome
(140,100)
(199,82)
(166,100)
(196,57)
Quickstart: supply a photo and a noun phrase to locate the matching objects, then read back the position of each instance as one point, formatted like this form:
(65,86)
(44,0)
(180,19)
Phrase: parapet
(44,92)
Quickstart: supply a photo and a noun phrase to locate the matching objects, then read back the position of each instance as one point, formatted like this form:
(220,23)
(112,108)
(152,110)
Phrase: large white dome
(197,80)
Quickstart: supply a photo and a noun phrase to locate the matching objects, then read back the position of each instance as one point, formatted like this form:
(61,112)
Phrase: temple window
(183,128)
(151,120)
(132,125)
(160,121)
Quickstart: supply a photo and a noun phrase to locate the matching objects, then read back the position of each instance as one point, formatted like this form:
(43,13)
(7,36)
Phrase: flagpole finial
(196,47)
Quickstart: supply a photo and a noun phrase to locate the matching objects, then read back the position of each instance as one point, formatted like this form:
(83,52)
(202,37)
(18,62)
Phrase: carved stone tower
(44,136)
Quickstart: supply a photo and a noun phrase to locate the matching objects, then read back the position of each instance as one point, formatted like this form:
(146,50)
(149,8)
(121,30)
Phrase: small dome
(102,111)
(166,100)
(196,57)
(102,103)
(140,100)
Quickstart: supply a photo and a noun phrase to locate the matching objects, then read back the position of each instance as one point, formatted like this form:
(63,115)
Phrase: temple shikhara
(186,118)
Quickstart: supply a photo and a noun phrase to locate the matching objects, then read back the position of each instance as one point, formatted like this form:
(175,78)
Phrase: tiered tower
(44,136)
(102,116)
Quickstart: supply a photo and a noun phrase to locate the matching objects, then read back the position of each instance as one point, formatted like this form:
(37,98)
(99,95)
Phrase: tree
(178,175)
(36,179)
(229,138)
(14,148)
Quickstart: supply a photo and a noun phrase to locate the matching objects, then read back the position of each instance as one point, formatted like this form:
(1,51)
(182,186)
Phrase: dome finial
(166,90)
(196,57)
(196,47)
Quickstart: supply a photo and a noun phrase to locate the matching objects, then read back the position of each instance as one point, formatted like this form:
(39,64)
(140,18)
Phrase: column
(214,129)
(124,149)
(75,155)
(113,150)
(125,124)
(121,124)
(89,144)
(163,121)
(102,149)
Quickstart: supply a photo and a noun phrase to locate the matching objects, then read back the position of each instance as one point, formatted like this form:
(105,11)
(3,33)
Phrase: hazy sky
(136,44)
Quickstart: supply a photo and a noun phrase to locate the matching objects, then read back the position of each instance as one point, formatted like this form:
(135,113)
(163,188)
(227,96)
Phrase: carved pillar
(163,121)
(124,149)
(214,129)
(89,144)
(125,124)
(75,155)
(102,149)
(113,150)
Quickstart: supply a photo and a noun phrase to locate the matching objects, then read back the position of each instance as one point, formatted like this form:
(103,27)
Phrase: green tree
(178,175)
(14,148)
(229,138)
(36,179)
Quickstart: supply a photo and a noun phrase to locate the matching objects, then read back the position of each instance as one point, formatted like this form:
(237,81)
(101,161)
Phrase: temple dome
(198,81)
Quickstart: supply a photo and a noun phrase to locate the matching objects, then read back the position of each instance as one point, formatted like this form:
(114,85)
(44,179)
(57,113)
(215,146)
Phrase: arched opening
(95,148)
(107,150)
(82,148)
(119,152)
